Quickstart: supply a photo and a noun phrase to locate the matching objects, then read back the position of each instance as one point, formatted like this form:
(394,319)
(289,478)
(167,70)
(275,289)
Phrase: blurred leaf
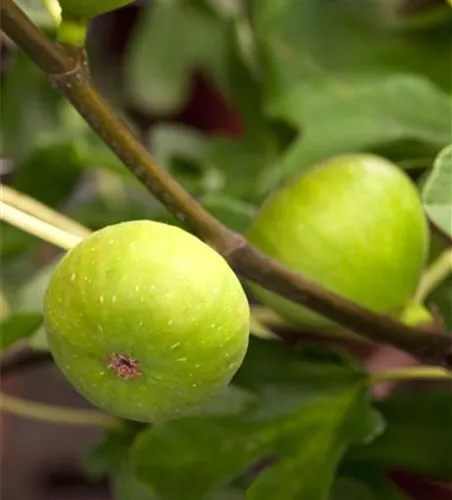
(309,412)
(170,142)
(14,241)
(188,458)
(347,115)
(48,173)
(28,300)
(171,40)
(442,299)
(18,327)
(231,400)
(31,295)
(375,487)
(29,109)
(181,151)
(417,437)
(346,488)
(227,494)
(240,165)
(97,213)
(111,457)
(437,191)
(108,451)
(409,15)
(313,41)
(37,11)
(235,214)
(208,166)
(127,487)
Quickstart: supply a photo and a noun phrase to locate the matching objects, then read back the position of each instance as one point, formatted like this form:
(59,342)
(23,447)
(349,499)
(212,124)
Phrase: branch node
(79,72)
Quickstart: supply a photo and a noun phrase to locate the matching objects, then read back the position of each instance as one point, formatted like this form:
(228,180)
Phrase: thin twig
(53,414)
(439,270)
(416,373)
(41,211)
(37,227)
(67,70)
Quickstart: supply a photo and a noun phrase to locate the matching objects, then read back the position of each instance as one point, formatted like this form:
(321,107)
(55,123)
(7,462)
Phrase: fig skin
(86,9)
(354,224)
(146,321)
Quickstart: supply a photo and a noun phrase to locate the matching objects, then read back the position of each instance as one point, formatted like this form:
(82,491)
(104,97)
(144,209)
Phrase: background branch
(68,72)
(37,209)
(18,360)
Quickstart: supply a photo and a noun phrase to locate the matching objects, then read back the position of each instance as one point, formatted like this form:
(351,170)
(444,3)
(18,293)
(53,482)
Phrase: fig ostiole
(146,321)
(353,223)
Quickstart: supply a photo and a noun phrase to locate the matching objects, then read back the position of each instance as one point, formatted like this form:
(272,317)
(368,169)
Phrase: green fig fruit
(146,321)
(87,9)
(354,224)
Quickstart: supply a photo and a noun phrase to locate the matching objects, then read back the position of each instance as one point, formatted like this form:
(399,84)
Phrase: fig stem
(434,275)
(55,414)
(41,211)
(412,373)
(67,69)
(37,227)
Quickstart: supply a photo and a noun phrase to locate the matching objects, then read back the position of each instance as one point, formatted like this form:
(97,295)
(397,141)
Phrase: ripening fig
(354,224)
(146,321)
(86,9)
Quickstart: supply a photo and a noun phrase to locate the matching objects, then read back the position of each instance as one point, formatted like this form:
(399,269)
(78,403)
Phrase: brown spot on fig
(124,366)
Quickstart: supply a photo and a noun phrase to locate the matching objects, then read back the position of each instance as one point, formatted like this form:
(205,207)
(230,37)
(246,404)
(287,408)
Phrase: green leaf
(31,295)
(437,191)
(374,486)
(313,41)
(127,487)
(108,451)
(188,458)
(235,214)
(442,299)
(18,327)
(49,172)
(240,165)
(181,151)
(28,300)
(417,437)
(110,457)
(171,40)
(359,113)
(29,110)
(315,441)
(310,409)
(350,83)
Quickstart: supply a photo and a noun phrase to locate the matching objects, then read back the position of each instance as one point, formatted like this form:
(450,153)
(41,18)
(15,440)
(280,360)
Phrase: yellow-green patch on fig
(354,224)
(146,321)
